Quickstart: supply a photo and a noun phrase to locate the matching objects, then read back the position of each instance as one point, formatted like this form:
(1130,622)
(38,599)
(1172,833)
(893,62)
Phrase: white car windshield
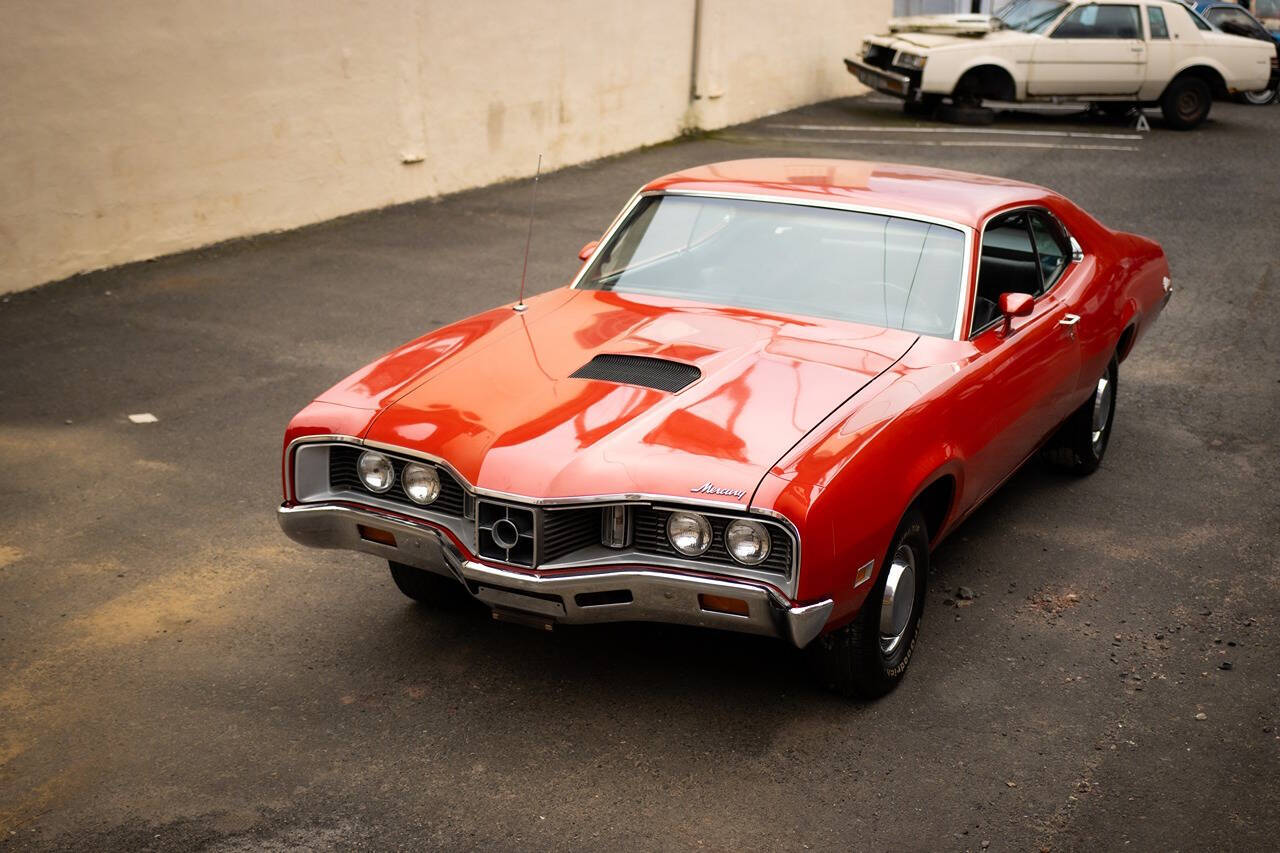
(888,271)
(1030,16)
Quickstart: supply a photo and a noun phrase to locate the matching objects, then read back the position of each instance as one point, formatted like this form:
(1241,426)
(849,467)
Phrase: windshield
(863,267)
(1030,16)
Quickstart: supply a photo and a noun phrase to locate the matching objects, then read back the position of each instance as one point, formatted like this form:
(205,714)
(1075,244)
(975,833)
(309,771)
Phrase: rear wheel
(1081,441)
(1185,104)
(868,657)
(428,587)
(1260,98)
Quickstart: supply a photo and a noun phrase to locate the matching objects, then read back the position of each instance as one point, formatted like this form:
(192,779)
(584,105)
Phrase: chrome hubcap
(1101,411)
(1189,105)
(899,598)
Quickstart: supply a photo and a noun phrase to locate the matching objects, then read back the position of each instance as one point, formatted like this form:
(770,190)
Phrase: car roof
(959,197)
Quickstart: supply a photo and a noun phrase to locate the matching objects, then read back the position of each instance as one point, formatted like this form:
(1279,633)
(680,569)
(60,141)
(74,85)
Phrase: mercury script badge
(713,489)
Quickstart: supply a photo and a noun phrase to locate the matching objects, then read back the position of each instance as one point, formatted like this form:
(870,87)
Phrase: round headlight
(420,482)
(376,471)
(747,541)
(689,533)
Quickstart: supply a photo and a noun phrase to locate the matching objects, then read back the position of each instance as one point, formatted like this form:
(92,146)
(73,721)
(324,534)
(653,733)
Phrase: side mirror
(585,253)
(1015,305)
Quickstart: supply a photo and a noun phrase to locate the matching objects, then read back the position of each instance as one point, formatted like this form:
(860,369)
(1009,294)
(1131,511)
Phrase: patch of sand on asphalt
(45,696)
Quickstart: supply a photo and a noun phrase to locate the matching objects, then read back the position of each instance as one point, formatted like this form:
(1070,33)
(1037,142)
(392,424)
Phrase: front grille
(505,532)
(879,56)
(651,538)
(343,477)
(659,373)
(567,530)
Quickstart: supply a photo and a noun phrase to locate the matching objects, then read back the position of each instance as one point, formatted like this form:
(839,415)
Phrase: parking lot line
(942,143)
(1082,134)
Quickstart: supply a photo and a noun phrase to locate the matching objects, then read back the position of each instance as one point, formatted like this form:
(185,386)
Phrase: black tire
(1082,440)
(967,114)
(924,108)
(1186,103)
(859,660)
(428,587)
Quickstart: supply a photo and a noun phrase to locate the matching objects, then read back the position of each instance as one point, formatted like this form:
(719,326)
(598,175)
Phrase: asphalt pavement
(176,675)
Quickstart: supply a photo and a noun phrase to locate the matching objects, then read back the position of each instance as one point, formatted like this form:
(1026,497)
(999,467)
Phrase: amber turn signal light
(373,534)
(723,604)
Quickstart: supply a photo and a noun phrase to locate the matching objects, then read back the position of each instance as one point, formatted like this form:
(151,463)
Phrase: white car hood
(930,41)
(944,24)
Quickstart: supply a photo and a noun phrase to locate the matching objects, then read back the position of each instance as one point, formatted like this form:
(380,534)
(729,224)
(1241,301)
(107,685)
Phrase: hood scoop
(649,372)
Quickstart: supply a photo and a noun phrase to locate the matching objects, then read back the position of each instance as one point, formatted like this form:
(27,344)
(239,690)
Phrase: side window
(1155,20)
(1100,22)
(1007,265)
(1196,19)
(1052,248)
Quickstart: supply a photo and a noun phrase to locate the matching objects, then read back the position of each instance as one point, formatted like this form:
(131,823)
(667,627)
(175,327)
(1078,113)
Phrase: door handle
(1069,320)
(1137,49)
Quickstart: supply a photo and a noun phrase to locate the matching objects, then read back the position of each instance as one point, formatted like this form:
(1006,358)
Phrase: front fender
(941,79)
(848,489)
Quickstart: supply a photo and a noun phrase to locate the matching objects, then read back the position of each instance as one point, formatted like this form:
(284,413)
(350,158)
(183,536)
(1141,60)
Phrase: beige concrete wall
(141,127)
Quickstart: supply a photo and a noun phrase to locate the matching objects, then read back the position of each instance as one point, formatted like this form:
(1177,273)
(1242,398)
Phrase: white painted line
(144,418)
(977,143)
(1075,134)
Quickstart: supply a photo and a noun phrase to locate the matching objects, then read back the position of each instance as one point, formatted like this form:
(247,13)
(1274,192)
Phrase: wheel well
(935,502)
(1217,85)
(990,82)
(1125,343)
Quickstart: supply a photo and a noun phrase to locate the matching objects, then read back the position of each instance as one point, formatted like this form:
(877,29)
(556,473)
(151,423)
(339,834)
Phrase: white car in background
(1114,53)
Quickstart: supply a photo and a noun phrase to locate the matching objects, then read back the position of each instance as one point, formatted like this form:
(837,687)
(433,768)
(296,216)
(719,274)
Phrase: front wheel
(428,587)
(868,657)
(1185,104)
(972,114)
(1082,440)
(925,107)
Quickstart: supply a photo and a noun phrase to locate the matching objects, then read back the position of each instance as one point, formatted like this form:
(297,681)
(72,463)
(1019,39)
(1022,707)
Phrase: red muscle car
(772,387)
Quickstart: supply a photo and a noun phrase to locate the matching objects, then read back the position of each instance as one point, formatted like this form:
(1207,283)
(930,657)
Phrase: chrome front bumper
(886,82)
(572,597)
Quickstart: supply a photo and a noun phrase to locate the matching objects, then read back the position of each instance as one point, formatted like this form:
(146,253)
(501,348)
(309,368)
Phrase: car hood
(954,24)
(507,415)
(941,39)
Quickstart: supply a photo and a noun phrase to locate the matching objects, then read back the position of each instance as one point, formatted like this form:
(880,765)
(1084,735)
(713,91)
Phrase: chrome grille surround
(559,534)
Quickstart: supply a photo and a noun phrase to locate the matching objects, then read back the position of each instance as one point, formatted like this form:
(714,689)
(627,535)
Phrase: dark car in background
(1235,19)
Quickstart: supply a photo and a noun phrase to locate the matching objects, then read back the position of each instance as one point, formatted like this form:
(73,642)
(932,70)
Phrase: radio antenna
(520,306)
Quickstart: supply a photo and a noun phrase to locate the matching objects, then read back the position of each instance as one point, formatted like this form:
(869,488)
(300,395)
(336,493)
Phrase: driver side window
(1024,251)
(1007,265)
(1095,21)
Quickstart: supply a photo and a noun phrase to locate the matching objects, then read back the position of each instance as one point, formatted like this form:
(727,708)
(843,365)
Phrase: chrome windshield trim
(967,231)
